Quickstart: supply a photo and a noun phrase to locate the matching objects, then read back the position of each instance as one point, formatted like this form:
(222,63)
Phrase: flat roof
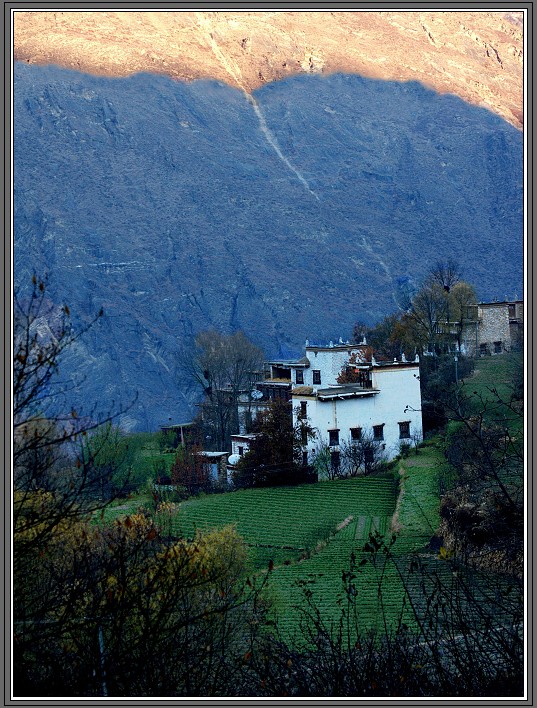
(303,391)
(348,391)
(209,453)
(290,363)
(397,365)
(338,346)
(273,382)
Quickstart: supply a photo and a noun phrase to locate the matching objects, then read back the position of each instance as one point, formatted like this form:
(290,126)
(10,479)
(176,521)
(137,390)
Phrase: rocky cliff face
(475,55)
(289,213)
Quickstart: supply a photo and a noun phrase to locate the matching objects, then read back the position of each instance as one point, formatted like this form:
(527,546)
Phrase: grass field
(494,372)
(415,519)
(284,523)
(493,381)
(417,516)
(309,532)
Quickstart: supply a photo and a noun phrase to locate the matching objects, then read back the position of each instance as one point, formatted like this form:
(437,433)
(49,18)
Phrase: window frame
(401,430)
(316,377)
(376,429)
(333,434)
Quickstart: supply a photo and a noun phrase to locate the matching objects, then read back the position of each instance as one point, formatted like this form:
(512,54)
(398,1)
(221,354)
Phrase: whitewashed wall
(399,390)
(329,362)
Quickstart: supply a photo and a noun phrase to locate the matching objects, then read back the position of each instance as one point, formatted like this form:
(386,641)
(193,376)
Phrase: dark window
(364,379)
(241,450)
(299,376)
(334,437)
(482,349)
(304,435)
(316,376)
(497,347)
(305,457)
(303,408)
(334,461)
(378,432)
(404,430)
(356,433)
(512,312)
(369,457)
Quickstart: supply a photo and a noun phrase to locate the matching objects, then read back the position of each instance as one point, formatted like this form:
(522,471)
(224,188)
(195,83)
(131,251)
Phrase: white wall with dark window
(394,409)
(378,432)
(356,434)
(333,438)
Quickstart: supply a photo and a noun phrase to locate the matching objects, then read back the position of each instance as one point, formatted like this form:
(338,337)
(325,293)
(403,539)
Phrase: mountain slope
(476,55)
(289,214)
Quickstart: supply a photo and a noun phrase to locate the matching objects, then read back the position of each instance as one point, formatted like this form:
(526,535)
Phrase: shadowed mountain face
(290,214)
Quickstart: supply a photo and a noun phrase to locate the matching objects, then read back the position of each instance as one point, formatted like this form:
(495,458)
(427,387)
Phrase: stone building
(498,328)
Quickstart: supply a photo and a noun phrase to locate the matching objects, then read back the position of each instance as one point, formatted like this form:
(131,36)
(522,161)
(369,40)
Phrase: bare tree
(446,274)
(463,307)
(429,306)
(352,458)
(107,608)
(52,469)
(325,463)
(222,366)
(361,456)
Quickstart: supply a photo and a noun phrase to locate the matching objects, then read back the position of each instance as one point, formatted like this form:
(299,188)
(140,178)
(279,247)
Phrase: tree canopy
(222,366)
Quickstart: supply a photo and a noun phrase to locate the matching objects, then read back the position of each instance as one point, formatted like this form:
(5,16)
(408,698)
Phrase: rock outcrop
(475,55)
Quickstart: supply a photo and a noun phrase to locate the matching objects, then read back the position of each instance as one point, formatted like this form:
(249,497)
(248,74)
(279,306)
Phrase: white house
(240,444)
(382,404)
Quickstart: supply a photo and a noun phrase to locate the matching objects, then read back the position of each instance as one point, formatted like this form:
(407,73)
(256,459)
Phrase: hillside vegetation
(335,588)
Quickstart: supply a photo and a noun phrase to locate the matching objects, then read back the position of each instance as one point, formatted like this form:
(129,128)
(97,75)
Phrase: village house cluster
(380,402)
(350,398)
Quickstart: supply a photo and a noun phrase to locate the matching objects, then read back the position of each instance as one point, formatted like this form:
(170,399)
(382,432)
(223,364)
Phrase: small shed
(218,464)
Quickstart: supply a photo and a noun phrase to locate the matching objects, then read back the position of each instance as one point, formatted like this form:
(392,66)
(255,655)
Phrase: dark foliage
(483,512)
(107,609)
(466,640)
(275,454)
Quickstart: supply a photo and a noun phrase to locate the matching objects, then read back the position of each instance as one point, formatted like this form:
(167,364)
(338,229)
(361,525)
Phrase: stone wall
(499,328)
(494,336)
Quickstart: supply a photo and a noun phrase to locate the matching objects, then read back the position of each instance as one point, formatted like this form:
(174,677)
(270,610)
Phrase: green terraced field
(417,518)
(309,532)
(284,523)
(288,523)
(323,573)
